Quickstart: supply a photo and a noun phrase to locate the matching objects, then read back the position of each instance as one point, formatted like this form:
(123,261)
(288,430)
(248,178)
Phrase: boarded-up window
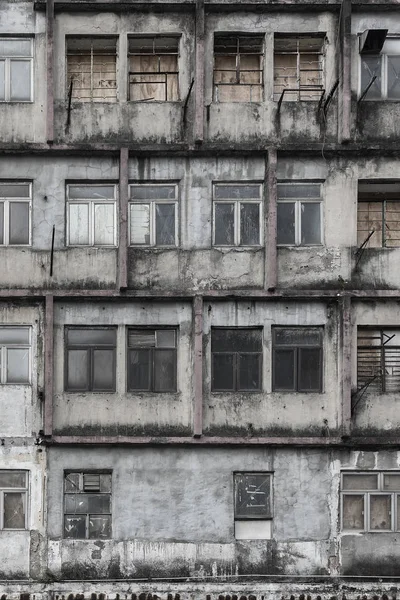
(385,68)
(91,213)
(238,68)
(13,499)
(90,361)
(87,505)
(299,214)
(237,214)
(153,68)
(253,495)
(298,68)
(153,215)
(92,68)
(16,70)
(297,359)
(15,213)
(378,359)
(152,360)
(378,214)
(236,359)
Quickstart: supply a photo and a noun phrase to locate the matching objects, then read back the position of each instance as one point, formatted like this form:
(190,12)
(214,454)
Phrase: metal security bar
(378,360)
(298,69)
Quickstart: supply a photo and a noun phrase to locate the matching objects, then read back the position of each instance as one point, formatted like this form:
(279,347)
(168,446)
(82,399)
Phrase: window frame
(238,202)
(7,69)
(91,203)
(4,358)
(297,357)
(384,198)
(23,490)
(6,201)
(90,349)
(384,56)
(384,360)
(298,202)
(262,517)
(153,202)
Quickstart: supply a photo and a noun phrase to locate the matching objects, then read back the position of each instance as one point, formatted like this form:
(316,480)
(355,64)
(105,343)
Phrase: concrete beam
(48,365)
(344,120)
(199,73)
(271,267)
(50,71)
(123,220)
(198,367)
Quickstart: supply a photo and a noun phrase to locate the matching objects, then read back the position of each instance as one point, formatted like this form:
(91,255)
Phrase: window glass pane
(1,222)
(391,482)
(165,224)
(104,224)
(77,370)
(140,223)
(310,223)
(364,481)
(353,512)
(380,512)
(393,77)
(103,370)
(17,365)
(236,340)
(99,526)
(86,336)
(2,79)
(76,503)
(249,372)
(370,67)
(286,223)
(71,482)
(310,368)
(284,365)
(20,47)
(165,338)
(223,375)
(252,495)
(224,224)
(143,339)
(20,88)
(75,527)
(164,370)
(14,335)
(15,190)
(249,224)
(299,190)
(12,479)
(153,192)
(14,510)
(105,482)
(99,503)
(139,369)
(228,192)
(91,192)
(19,223)
(78,224)
(300,336)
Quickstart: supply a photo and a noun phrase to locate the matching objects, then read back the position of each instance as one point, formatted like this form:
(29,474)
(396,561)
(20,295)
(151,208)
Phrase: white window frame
(367,495)
(238,202)
(383,69)
(3,355)
(92,205)
(7,70)
(7,201)
(153,202)
(22,490)
(297,216)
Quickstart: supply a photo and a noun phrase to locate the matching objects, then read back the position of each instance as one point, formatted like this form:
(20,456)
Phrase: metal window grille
(378,359)
(298,68)
(92,69)
(153,215)
(92,215)
(238,68)
(237,214)
(153,68)
(16,65)
(378,214)
(87,505)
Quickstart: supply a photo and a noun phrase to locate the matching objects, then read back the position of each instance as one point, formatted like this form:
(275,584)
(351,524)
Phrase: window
(297,359)
(253,495)
(378,359)
(15,347)
(237,214)
(92,215)
(153,68)
(371,501)
(90,359)
(13,499)
(15,210)
(87,505)
(299,214)
(236,359)
(298,68)
(16,70)
(152,360)
(385,67)
(378,214)
(153,213)
(92,69)
(238,68)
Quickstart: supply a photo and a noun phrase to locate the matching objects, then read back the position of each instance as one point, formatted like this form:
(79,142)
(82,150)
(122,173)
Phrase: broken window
(298,68)
(90,361)
(15,213)
(15,347)
(299,214)
(236,356)
(91,211)
(378,214)
(378,359)
(13,499)
(92,69)
(253,495)
(382,72)
(16,62)
(237,214)
(152,360)
(238,68)
(370,501)
(153,68)
(87,505)
(297,359)
(153,214)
